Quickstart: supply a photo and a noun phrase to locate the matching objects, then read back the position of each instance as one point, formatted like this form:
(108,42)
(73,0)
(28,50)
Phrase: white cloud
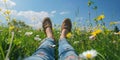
(64,12)
(32,14)
(53,12)
(27,16)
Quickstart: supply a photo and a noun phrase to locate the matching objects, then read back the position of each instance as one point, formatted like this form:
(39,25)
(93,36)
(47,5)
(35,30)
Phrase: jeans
(46,51)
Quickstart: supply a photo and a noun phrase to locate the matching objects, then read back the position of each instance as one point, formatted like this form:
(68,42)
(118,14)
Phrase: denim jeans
(46,51)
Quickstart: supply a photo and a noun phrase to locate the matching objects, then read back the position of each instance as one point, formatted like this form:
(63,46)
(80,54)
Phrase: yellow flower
(69,35)
(7,12)
(88,56)
(11,28)
(101,17)
(96,32)
(118,33)
(113,23)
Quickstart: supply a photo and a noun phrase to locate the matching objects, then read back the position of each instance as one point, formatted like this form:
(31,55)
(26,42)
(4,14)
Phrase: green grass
(108,45)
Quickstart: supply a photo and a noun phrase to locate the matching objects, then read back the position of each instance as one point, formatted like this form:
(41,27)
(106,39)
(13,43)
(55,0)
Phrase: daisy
(28,33)
(88,54)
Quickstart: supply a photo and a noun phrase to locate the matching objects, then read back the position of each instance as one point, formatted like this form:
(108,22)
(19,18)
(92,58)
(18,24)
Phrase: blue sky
(57,10)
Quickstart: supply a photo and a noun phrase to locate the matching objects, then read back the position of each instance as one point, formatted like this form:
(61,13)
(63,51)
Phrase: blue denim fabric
(66,51)
(45,51)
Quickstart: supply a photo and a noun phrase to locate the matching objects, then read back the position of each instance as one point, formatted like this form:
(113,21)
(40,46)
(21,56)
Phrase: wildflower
(92,37)
(11,28)
(101,17)
(69,35)
(96,32)
(113,23)
(37,38)
(7,12)
(28,33)
(117,33)
(88,54)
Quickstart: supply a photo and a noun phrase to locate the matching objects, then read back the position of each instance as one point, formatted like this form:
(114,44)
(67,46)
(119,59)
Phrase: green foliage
(23,46)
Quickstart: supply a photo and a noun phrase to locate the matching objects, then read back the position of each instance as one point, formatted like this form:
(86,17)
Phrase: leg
(46,49)
(66,51)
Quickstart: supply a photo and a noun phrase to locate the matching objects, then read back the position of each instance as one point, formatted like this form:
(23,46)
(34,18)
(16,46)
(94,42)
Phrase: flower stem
(6,58)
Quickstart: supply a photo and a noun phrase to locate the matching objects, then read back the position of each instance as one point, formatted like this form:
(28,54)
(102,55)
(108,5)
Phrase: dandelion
(101,17)
(11,28)
(89,54)
(28,33)
(69,35)
(7,12)
(96,32)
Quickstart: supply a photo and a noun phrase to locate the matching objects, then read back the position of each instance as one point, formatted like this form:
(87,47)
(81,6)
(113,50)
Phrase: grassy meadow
(18,40)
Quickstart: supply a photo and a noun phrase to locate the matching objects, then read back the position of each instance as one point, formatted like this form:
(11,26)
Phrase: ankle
(64,33)
(49,32)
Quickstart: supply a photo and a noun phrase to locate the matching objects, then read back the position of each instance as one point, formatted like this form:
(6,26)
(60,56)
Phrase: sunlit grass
(105,42)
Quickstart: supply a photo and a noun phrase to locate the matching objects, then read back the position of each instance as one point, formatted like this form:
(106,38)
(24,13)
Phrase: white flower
(92,37)
(37,38)
(28,33)
(88,54)
(117,33)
